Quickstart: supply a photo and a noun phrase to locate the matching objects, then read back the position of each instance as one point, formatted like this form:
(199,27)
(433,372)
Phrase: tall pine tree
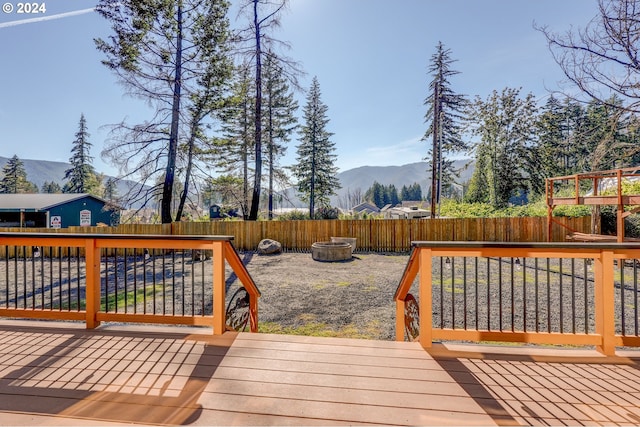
(315,169)
(81,176)
(445,112)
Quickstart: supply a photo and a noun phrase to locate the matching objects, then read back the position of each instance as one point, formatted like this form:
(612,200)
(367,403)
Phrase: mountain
(362,178)
(353,180)
(39,171)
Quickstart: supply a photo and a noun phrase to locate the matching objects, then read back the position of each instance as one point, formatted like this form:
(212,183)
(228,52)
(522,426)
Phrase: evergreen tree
(51,187)
(404,193)
(376,194)
(14,178)
(394,199)
(382,195)
(543,160)
(505,125)
(234,152)
(110,190)
(280,121)
(315,169)
(415,192)
(445,112)
(81,177)
(606,142)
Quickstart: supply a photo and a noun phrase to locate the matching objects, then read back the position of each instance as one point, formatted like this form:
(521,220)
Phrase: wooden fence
(383,235)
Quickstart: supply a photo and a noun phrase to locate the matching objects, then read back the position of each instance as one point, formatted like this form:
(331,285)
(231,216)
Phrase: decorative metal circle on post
(331,251)
(238,310)
(411,317)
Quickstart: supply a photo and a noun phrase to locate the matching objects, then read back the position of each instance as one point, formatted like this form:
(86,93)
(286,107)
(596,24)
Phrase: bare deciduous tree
(603,59)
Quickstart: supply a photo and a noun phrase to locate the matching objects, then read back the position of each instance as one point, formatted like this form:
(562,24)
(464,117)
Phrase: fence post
(219,321)
(426,304)
(604,300)
(92,285)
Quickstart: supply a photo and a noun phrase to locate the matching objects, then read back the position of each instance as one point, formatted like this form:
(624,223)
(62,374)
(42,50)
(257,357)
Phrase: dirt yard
(346,299)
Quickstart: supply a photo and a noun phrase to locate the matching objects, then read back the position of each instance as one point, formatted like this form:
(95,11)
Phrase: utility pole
(435,151)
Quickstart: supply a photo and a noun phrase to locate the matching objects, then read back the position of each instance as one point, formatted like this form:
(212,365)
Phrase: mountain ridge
(358,179)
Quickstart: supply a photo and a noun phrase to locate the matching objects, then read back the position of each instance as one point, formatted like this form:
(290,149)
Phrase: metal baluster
(622,304)
(154,281)
(173,282)
(573,295)
(135,281)
(513,296)
(586,298)
(561,297)
(488,294)
(635,294)
(24,277)
(453,293)
(183,313)
(524,292)
(477,294)
(500,291)
(115,280)
(537,294)
(548,295)
(6,270)
(464,287)
(15,275)
(441,294)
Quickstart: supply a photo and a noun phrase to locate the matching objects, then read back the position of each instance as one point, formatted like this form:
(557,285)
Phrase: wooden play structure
(602,188)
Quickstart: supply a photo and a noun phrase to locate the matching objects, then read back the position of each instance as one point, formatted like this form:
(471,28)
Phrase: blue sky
(370,57)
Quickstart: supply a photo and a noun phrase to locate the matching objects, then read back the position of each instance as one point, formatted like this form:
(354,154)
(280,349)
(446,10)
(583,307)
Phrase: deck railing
(544,293)
(122,278)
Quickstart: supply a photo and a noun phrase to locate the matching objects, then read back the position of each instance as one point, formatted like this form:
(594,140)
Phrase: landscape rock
(269,247)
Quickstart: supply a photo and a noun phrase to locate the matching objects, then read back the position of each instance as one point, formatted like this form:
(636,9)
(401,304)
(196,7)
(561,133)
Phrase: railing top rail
(524,245)
(611,173)
(117,236)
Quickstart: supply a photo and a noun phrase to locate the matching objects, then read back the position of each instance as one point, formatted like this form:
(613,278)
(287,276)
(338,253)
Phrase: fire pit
(331,251)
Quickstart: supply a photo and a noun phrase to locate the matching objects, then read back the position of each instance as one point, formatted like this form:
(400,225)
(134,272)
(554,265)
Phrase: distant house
(420,204)
(365,207)
(400,212)
(56,210)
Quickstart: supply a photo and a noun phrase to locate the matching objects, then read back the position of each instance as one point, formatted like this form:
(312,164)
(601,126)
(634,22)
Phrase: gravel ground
(351,299)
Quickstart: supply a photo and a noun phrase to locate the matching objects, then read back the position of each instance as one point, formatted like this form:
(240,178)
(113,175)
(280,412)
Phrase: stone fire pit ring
(331,251)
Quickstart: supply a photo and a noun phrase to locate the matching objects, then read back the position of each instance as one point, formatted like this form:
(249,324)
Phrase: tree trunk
(271,159)
(185,192)
(257,179)
(434,157)
(167,190)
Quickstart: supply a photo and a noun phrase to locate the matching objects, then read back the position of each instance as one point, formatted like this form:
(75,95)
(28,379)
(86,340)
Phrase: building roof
(39,201)
(365,206)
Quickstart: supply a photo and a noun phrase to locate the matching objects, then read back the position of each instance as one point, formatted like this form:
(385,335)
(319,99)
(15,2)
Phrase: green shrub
(293,216)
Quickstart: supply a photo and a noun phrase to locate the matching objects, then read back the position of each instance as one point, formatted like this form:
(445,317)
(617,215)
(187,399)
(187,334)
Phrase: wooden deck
(61,374)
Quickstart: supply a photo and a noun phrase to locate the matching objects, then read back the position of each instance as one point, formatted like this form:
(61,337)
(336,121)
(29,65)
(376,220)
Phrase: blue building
(56,210)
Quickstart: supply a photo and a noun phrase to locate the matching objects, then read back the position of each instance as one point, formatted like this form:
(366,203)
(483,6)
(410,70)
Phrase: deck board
(59,374)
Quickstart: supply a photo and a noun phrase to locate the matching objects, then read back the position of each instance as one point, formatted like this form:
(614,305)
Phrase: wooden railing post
(219,321)
(400,307)
(426,305)
(604,301)
(92,261)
